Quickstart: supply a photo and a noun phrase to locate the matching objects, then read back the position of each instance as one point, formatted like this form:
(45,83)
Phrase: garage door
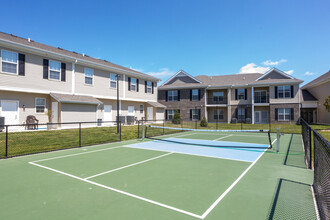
(78,113)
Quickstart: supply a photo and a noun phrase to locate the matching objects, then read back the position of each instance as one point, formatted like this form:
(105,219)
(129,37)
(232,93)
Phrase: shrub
(203,122)
(176,118)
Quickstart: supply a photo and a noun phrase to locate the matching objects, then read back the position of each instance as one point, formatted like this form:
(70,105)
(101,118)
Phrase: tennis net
(254,139)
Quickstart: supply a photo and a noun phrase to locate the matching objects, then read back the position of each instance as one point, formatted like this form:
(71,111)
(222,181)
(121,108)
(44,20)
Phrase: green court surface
(125,180)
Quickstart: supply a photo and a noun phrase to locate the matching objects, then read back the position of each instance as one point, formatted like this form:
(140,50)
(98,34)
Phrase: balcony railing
(261,98)
(217,100)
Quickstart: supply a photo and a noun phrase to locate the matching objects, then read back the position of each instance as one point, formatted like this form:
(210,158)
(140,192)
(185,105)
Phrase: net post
(164,127)
(142,130)
(79,134)
(270,140)
(120,132)
(278,134)
(138,129)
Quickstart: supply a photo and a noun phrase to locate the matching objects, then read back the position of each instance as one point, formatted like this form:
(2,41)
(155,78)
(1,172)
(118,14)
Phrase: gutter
(73,59)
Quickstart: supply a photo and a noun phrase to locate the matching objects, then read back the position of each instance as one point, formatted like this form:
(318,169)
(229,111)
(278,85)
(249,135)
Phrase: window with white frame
(240,94)
(170,114)
(218,114)
(54,70)
(130,110)
(89,75)
(9,61)
(284,92)
(195,94)
(241,114)
(194,114)
(133,84)
(149,87)
(113,80)
(218,96)
(173,95)
(141,108)
(40,105)
(284,114)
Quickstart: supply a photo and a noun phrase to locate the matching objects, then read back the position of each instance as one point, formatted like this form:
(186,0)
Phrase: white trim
(278,71)
(124,86)
(72,59)
(181,71)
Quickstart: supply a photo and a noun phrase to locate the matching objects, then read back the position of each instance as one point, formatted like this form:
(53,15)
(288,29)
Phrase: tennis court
(185,175)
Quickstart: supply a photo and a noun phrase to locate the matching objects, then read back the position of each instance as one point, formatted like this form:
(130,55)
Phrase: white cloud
(253,68)
(163,72)
(289,72)
(274,63)
(309,73)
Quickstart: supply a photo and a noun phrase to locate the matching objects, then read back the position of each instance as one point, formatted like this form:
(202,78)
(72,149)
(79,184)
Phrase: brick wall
(184,105)
(295,112)
(248,113)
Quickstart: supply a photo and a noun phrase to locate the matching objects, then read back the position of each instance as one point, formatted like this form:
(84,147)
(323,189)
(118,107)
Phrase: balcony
(261,98)
(217,100)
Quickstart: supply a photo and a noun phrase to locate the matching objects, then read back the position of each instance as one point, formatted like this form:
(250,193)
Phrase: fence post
(138,129)
(310,147)
(120,132)
(196,124)
(79,134)
(181,125)
(6,141)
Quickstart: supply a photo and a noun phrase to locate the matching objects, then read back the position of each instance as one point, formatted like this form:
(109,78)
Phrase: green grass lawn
(21,143)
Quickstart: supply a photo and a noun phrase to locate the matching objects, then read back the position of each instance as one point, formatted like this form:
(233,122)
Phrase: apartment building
(314,94)
(57,85)
(253,98)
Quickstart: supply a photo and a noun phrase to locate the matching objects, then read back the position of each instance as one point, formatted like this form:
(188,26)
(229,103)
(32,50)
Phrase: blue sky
(200,37)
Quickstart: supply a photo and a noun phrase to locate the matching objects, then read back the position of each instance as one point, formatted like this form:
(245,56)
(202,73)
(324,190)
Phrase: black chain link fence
(317,154)
(321,184)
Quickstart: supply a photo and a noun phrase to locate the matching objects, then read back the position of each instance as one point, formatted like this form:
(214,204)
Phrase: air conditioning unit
(2,123)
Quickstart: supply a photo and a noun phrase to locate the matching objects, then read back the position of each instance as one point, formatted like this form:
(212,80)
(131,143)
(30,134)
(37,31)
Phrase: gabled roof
(277,71)
(181,73)
(319,80)
(234,80)
(20,42)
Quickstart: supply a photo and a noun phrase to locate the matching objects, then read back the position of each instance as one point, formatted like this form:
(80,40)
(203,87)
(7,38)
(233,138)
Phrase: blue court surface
(218,149)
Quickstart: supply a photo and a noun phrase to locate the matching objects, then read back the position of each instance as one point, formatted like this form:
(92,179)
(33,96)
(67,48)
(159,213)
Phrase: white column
(205,103)
(252,90)
(73,78)
(124,88)
(228,105)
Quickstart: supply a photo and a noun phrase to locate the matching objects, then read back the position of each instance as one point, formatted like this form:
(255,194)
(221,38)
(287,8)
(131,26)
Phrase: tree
(204,122)
(327,103)
(176,118)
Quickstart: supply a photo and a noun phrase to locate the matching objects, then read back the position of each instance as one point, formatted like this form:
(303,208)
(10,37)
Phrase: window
(173,95)
(217,96)
(149,87)
(241,114)
(141,108)
(89,75)
(195,94)
(133,84)
(54,70)
(195,114)
(40,105)
(284,114)
(170,114)
(130,110)
(9,61)
(240,94)
(284,92)
(113,80)
(218,114)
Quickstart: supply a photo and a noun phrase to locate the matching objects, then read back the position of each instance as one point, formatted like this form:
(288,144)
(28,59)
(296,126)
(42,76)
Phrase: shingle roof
(156,104)
(307,96)
(66,98)
(61,51)
(319,79)
(229,80)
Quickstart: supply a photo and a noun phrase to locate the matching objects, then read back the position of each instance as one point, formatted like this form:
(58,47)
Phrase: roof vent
(83,54)
(29,39)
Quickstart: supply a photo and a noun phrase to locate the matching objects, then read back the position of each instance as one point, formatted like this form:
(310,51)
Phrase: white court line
(119,191)
(130,165)
(231,186)
(71,155)
(223,137)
